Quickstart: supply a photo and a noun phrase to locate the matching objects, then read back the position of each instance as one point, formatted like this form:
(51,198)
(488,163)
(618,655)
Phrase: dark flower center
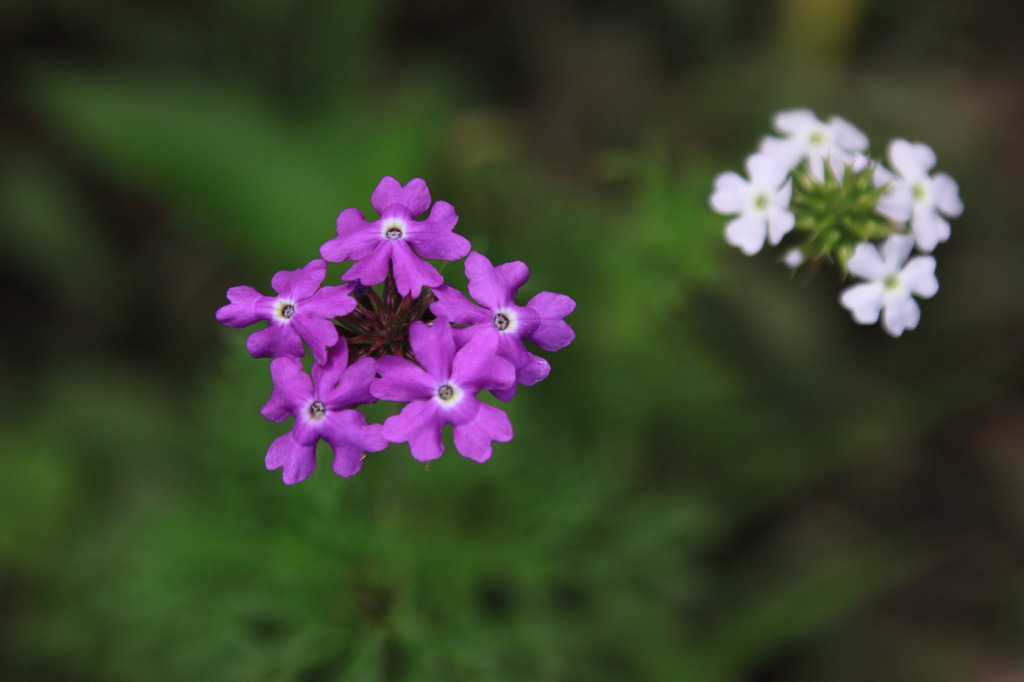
(446,392)
(501,321)
(287,311)
(394,233)
(317,409)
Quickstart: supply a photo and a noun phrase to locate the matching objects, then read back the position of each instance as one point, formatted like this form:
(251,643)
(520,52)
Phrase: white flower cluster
(913,202)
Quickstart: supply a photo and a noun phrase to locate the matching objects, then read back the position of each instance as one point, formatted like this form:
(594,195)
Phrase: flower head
(301,311)
(891,285)
(541,320)
(395,239)
(807,138)
(932,197)
(762,203)
(320,407)
(442,390)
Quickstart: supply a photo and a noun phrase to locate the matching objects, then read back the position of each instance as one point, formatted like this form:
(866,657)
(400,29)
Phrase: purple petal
(292,390)
(433,237)
(302,283)
(510,347)
(372,269)
(276,341)
(247,306)
(533,370)
(477,366)
(414,196)
(454,305)
(329,302)
(351,437)
(434,347)
(402,380)
(353,387)
(486,286)
(412,273)
(356,238)
(553,333)
(328,374)
(297,460)
(473,440)
(318,333)
(419,423)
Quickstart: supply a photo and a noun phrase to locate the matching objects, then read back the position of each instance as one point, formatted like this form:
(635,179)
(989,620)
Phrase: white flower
(891,285)
(930,195)
(762,203)
(808,138)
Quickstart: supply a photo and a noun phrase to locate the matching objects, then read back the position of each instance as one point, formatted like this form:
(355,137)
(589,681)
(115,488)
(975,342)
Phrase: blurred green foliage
(712,484)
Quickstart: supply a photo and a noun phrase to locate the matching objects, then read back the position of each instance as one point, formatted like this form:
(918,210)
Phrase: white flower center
(449,394)
(761,201)
(504,321)
(284,310)
(891,283)
(393,229)
(920,191)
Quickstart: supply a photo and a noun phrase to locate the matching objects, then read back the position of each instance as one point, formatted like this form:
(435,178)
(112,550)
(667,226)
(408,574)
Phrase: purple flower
(396,239)
(494,288)
(319,407)
(442,390)
(301,311)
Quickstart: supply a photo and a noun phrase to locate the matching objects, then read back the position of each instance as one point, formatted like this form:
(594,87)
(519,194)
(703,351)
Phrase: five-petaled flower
(442,390)
(932,196)
(541,320)
(891,285)
(301,311)
(395,239)
(762,203)
(321,407)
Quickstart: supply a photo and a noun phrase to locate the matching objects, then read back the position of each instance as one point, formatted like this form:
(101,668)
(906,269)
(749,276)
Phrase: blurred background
(724,477)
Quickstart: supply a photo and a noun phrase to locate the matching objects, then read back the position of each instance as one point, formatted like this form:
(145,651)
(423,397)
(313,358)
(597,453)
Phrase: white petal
(947,195)
(912,161)
(746,232)
(780,222)
(794,120)
(866,263)
(787,152)
(929,229)
(730,195)
(898,203)
(864,301)
(766,172)
(816,165)
(900,314)
(918,275)
(895,251)
(847,136)
(784,195)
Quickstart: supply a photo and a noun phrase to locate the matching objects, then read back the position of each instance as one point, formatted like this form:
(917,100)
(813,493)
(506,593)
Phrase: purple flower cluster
(417,341)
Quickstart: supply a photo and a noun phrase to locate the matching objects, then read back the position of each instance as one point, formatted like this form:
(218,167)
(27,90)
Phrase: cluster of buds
(815,186)
(416,341)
